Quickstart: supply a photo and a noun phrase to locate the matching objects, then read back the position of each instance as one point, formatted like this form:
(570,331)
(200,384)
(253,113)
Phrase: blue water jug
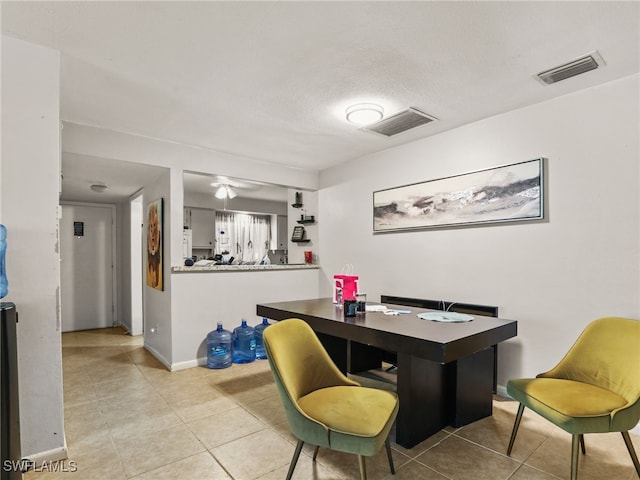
(219,348)
(244,343)
(261,354)
(4,284)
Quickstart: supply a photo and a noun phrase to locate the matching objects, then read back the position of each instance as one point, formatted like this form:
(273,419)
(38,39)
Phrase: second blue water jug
(261,354)
(244,343)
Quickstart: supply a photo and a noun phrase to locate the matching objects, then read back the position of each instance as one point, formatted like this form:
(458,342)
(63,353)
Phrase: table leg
(422,409)
(469,384)
(336,348)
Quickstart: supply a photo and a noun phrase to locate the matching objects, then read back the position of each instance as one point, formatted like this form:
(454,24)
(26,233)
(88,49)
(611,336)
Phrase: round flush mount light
(98,187)
(364,113)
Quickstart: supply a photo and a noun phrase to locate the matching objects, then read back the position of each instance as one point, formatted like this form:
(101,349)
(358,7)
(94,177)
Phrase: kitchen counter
(243,268)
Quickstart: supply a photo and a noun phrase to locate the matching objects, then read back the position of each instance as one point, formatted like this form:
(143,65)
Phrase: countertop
(243,268)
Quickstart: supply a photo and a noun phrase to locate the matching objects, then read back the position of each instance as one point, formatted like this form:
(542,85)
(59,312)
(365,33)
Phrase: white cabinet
(279,240)
(201,221)
(186,219)
(283,234)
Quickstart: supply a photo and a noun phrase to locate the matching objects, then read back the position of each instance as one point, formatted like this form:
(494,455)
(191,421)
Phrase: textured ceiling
(271,80)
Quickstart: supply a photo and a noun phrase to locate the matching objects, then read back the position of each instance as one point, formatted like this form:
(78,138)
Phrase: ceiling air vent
(576,67)
(400,122)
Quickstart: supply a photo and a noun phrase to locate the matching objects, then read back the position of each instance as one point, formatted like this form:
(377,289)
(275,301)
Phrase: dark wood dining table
(445,370)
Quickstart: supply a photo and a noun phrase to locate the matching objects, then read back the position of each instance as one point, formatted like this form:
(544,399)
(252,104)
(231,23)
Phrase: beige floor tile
(79,377)
(198,467)
(306,469)
(182,387)
(269,410)
(78,393)
(157,419)
(111,353)
(81,411)
(200,406)
(225,427)
(422,446)
(346,464)
(235,372)
(250,389)
(122,386)
(140,355)
(284,431)
(459,459)
(494,432)
(85,441)
(607,457)
(143,453)
(96,464)
(525,472)
(414,471)
(254,455)
(160,377)
(85,429)
(108,373)
(137,401)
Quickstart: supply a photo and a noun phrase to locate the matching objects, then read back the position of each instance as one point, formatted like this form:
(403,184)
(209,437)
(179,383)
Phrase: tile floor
(127,417)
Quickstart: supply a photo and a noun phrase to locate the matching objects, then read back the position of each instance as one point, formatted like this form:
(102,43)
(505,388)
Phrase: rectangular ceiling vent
(400,122)
(576,67)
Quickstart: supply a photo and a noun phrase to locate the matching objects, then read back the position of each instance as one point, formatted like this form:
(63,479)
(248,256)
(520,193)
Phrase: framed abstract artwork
(501,194)
(154,245)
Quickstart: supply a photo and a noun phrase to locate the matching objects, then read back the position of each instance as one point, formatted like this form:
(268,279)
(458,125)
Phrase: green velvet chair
(323,407)
(594,389)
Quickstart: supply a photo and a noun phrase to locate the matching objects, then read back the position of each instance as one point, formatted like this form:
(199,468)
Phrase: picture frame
(155,260)
(507,193)
(298,234)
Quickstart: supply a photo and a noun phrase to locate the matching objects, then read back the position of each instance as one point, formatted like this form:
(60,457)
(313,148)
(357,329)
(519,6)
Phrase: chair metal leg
(294,460)
(387,445)
(632,451)
(516,425)
(582,446)
(363,468)
(575,440)
(315,452)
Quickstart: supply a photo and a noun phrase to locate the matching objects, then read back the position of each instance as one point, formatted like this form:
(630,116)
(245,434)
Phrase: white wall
(200,300)
(157,304)
(29,197)
(553,277)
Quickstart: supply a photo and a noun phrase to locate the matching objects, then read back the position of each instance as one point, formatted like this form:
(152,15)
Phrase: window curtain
(245,236)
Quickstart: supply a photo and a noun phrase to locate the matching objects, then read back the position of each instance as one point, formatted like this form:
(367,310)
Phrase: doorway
(137,318)
(87,274)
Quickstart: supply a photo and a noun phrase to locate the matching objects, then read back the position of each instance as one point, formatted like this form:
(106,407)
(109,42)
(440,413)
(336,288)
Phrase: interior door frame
(137,288)
(115,319)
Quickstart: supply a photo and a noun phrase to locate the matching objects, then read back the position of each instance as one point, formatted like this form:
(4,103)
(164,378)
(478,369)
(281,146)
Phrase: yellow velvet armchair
(594,389)
(324,407)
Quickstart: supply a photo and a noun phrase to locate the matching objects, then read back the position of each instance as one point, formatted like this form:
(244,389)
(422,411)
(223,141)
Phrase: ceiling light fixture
(98,187)
(225,191)
(364,113)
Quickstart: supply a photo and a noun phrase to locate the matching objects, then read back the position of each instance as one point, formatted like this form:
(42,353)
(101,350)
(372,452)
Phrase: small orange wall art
(154,245)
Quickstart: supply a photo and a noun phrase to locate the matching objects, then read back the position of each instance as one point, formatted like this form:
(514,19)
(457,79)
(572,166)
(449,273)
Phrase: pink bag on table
(348,284)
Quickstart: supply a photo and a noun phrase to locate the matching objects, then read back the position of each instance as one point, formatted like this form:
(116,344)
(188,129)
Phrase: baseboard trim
(158,356)
(502,391)
(36,460)
(198,362)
